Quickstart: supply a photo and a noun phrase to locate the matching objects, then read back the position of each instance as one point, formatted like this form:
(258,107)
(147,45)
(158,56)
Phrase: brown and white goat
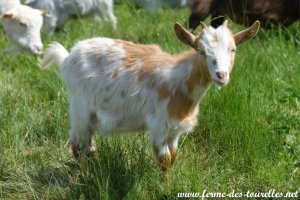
(119,86)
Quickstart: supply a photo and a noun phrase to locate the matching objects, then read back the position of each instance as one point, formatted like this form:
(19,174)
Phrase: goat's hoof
(165,177)
(93,155)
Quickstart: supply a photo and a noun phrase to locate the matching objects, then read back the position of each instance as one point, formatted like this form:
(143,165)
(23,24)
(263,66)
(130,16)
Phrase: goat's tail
(55,54)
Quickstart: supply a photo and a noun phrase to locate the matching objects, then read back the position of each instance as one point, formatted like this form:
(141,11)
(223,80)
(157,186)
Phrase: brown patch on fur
(191,116)
(115,73)
(145,73)
(199,76)
(93,118)
(180,105)
(135,52)
(150,56)
(163,91)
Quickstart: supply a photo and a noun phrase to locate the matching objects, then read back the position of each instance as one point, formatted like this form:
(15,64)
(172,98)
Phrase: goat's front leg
(173,145)
(164,158)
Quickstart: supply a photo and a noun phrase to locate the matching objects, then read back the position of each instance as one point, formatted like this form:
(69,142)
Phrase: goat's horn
(44,12)
(225,23)
(203,25)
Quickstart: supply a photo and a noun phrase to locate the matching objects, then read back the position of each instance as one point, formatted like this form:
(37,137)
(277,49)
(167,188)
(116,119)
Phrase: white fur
(60,11)
(23,29)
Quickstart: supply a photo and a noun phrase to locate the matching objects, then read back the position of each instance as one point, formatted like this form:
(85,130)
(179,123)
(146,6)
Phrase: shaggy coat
(118,86)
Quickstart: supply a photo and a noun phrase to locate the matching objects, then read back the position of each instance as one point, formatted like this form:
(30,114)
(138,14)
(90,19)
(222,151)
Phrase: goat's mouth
(220,82)
(36,51)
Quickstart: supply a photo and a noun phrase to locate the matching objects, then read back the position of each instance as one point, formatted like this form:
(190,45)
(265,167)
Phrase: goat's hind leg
(81,134)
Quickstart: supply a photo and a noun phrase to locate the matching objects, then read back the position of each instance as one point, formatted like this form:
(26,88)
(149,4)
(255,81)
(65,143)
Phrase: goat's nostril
(221,75)
(38,48)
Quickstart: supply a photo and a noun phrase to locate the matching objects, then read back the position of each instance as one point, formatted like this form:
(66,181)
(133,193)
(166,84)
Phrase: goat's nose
(221,75)
(38,48)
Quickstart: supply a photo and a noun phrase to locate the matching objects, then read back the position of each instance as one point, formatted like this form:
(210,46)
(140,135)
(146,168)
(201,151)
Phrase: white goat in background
(60,11)
(6,5)
(119,86)
(22,25)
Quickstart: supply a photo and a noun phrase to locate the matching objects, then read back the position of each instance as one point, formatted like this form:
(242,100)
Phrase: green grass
(247,138)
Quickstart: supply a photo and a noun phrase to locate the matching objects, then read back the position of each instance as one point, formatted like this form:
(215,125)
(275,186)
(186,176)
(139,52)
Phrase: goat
(246,11)
(60,11)
(118,86)
(22,25)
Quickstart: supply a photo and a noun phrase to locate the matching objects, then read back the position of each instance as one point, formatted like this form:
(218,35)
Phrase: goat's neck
(195,79)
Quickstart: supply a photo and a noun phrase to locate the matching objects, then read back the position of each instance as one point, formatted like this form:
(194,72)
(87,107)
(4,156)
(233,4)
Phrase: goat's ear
(184,36)
(246,34)
(7,16)
(45,13)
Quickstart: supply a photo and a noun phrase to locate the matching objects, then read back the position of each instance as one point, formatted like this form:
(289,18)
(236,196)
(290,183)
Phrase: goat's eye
(23,24)
(232,50)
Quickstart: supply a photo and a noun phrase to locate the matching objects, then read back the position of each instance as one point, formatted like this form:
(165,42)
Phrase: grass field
(248,137)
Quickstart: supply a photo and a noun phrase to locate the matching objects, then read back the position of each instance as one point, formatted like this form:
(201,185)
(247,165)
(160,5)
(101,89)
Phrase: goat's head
(216,46)
(23,25)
